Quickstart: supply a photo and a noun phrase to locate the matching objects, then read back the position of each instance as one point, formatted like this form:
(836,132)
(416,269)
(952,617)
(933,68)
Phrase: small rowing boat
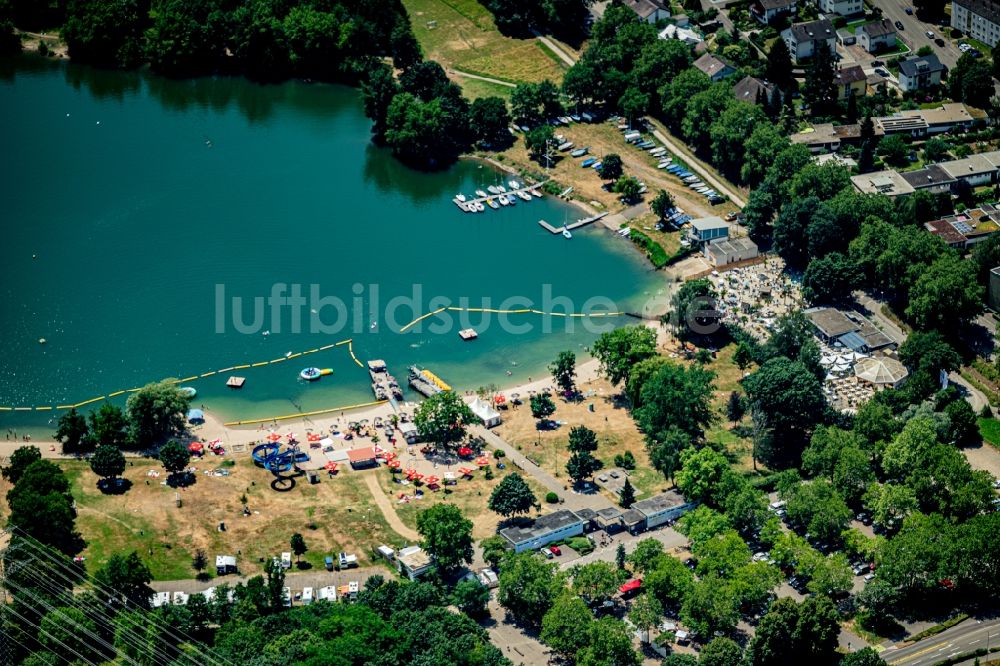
(514,185)
(566,233)
(524,195)
(493,189)
(460,197)
(481,194)
(492,204)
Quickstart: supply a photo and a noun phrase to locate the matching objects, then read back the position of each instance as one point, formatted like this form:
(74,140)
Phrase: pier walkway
(570,227)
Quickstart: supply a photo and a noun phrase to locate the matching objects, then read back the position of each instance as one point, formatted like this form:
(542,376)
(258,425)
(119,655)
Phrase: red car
(555,550)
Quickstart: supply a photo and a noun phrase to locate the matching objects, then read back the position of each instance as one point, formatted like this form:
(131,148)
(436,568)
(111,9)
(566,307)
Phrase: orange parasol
(483,461)
(274,437)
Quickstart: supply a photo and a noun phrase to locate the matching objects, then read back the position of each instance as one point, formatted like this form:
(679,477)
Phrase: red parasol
(464,451)
(432,480)
(274,437)
(291,437)
(330,466)
(394,464)
(499,399)
(409,471)
(465,471)
(483,461)
(313,437)
(391,456)
(196,447)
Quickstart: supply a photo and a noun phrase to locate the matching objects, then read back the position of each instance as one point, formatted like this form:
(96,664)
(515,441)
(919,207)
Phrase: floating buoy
(98,122)
(41,341)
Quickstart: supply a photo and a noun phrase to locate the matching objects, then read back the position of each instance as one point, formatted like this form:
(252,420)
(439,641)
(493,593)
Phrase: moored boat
(503,200)
(514,185)
(590,161)
(493,189)
(492,204)
(566,233)
(481,194)
(524,195)
(460,197)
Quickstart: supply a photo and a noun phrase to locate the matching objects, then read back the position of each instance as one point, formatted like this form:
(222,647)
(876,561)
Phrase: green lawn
(990,430)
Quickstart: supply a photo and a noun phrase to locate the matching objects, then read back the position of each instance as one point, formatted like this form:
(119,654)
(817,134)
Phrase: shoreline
(214,426)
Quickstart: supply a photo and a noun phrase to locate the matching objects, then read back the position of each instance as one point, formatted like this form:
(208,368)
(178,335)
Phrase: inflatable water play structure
(312,374)
(271,457)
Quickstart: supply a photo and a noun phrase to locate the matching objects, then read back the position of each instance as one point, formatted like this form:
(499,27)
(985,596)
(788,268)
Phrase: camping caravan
(328,593)
(307,596)
(286,560)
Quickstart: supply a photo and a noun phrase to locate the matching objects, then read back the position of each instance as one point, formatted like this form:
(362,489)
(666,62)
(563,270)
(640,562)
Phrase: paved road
(698,167)
(965,637)
(913,32)
(572,500)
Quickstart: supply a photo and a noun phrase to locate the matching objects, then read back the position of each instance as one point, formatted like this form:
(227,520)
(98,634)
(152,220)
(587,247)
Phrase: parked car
(555,550)
(939,42)
(930,34)
(899,25)
(909,11)
(547,553)
(613,474)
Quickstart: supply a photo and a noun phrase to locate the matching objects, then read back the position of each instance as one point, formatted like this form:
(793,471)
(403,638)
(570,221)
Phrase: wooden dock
(576,225)
(533,190)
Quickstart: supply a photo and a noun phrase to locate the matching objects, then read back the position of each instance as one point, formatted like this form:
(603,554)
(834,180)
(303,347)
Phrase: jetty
(421,383)
(570,227)
(384,385)
(531,190)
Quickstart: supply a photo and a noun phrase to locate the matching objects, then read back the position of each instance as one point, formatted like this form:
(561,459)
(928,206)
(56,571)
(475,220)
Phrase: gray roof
(712,222)
(849,74)
(711,65)
(830,321)
(812,31)
(542,526)
(931,175)
(644,8)
(985,8)
(654,505)
(747,88)
(632,517)
(878,28)
(913,66)
(776,4)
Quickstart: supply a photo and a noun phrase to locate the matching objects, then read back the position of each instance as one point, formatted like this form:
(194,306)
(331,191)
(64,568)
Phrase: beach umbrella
(482,461)
(195,415)
(499,399)
(326,441)
(464,451)
(409,471)
(394,464)
(291,437)
(432,480)
(196,447)
(330,466)
(313,437)
(465,471)
(391,456)
(274,437)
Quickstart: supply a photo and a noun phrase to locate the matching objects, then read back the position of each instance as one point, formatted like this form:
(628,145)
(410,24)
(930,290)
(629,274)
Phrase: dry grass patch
(460,34)
(469,495)
(334,515)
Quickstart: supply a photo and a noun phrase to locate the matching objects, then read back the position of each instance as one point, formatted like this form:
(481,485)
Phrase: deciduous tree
(512,496)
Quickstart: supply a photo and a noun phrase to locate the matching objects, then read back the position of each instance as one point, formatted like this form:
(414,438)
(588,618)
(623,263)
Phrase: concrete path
(562,55)
(467,75)
(388,510)
(572,500)
(698,167)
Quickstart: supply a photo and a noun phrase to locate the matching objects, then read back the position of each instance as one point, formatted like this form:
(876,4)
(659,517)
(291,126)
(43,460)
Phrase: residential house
(967,228)
(976,170)
(727,251)
(649,11)
(841,7)
(888,183)
(768,11)
(662,508)
(714,67)
(707,229)
(413,562)
(551,527)
(850,80)
(979,19)
(932,178)
(803,39)
(750,89)
(922,122)
(826,137)
(920,72)
(877,36)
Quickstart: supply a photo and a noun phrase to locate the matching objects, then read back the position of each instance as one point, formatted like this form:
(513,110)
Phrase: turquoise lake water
(131,201)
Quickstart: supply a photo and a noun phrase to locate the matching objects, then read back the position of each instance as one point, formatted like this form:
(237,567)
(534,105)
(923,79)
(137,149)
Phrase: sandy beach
(214,427)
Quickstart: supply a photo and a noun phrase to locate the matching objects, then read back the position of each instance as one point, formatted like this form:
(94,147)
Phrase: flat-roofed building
(979,19)
(413,562)
(707,229)
(551,527)
(728,251)
(889,183)
(932,178)
(662,508)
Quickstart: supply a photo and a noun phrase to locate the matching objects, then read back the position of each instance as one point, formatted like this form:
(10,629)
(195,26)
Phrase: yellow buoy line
(192,378)
(300,415)
(452,308)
